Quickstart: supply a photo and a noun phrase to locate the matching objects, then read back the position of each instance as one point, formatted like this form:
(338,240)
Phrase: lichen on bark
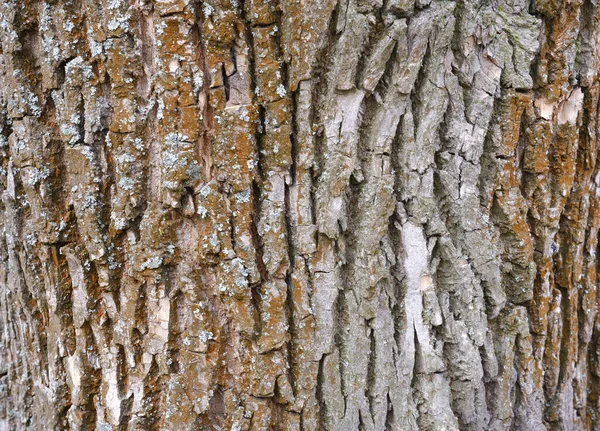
(281,215)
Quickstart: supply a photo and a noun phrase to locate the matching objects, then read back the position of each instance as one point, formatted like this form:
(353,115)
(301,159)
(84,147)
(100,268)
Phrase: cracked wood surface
(299,215)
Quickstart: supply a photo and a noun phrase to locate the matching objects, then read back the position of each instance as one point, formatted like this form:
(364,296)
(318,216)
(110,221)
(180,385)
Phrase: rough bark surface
(299,215)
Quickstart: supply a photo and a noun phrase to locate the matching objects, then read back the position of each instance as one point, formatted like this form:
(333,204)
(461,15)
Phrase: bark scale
(284,215)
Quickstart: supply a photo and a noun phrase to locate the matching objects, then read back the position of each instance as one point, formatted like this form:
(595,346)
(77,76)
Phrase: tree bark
(299,215)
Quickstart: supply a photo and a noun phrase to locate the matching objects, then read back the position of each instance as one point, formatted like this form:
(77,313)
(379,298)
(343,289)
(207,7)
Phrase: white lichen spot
(244,114)
(198,81)
(243,197)
(205,190)
(205,336)
(118,22)
(68,26)
(126,183)
(35,175)
(113,24)
(90,202)
(208,10)
(70,132)
(33,104)
(281,90)
(87,153)
(171,185)
(31,239)
(152,263)
(125,158)
(202,211)
(169,160)
(138,143)
(160,28)
(75,119)
(161,107)
(119,222)
(46,18)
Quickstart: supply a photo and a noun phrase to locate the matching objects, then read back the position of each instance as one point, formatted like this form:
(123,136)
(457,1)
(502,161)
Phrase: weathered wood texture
(299,215)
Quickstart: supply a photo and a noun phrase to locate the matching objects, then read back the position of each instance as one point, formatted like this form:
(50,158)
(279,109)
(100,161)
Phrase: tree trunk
(299,215)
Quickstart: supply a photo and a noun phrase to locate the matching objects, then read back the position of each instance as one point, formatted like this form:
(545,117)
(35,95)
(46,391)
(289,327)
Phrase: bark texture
(299,215)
